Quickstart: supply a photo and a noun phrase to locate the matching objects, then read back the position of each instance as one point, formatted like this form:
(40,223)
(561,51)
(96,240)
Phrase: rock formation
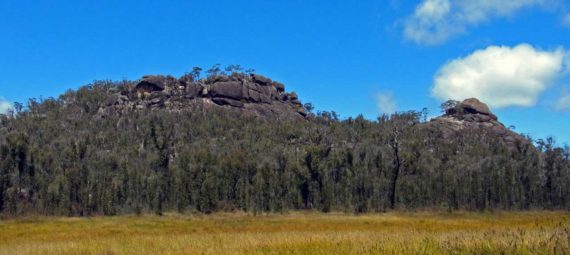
(472,110)
(474,115)
(259,96)
(151,83)
(253,94)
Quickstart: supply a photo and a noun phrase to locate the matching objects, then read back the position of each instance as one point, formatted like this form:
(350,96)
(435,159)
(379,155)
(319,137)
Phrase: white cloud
(500,76)
(435,21)
(433,9)
(563,103)
(4,105)
(386,102)
(429,24)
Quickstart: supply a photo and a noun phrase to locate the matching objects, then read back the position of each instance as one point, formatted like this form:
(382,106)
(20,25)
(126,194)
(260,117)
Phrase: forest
(57,157)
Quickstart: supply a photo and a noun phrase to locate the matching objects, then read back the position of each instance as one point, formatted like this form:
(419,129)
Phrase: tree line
(58,158)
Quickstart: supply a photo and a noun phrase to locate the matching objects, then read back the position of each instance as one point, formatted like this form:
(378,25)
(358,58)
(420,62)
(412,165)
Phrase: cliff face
(472,115)
(250,94)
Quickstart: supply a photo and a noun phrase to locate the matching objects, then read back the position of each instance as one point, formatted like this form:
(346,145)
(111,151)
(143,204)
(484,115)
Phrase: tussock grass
(294,233)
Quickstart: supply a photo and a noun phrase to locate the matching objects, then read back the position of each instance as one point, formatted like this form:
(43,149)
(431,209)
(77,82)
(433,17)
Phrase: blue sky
(352,57)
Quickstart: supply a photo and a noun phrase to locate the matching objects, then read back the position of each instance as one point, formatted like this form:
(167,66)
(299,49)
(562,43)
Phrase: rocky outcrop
(472,115)
(253,93)
(253,89)
(472,107)
(228,101)
(151,83)
(261,79)
(193,91)
(227,89)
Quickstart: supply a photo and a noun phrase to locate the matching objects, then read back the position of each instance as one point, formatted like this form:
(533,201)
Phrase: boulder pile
(472,110)
(254,93)
(472,114)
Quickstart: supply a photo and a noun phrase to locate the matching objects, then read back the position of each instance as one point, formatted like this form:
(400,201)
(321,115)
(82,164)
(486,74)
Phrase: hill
(472,116)
(239,141)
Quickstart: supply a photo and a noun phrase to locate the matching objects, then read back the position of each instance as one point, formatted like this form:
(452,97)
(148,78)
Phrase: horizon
(370,57)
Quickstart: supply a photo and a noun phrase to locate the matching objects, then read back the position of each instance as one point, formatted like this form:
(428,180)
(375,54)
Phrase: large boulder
(151,83)
(256,93)
(474,106)
(229,89)
(254,96)
(259,79)
(227,101)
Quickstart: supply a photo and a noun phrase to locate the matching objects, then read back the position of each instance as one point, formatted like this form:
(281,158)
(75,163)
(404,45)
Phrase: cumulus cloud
(4,105)
(386,102)
(435,21)
(500,76)
(563,103)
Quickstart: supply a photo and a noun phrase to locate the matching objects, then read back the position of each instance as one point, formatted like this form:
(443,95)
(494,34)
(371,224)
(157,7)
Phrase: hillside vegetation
(85,153)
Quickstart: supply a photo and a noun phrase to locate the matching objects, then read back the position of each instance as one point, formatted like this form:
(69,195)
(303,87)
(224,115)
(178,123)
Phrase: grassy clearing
(295,233)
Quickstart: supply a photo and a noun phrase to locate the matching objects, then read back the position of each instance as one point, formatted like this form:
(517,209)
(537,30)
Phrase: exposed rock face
(261,79)
(470,115)
(151,83)
(472,106)
(227,101)
(253,93)
(227,89)
(193,91)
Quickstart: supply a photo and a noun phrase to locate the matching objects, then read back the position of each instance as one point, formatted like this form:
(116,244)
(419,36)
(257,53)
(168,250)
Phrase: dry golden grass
(294,233)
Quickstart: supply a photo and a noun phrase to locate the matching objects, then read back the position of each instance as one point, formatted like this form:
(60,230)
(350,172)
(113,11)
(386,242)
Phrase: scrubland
(293,233)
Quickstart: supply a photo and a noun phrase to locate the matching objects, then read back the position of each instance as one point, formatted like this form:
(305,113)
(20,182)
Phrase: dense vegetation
(58,158)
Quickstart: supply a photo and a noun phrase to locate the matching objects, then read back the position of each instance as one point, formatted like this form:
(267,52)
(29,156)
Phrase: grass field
(294,233)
